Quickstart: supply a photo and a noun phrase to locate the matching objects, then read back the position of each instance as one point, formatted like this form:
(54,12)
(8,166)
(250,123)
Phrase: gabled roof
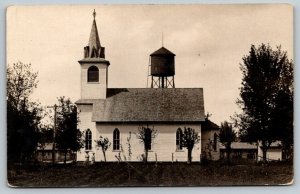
(149,105)
(209,125)
(247,145)
(241,145)
(162,51)
(275,144)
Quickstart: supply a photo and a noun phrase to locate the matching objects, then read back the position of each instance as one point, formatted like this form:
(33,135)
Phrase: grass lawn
(140,174)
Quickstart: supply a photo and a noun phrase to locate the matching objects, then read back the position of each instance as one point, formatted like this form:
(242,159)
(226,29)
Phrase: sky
(209,42)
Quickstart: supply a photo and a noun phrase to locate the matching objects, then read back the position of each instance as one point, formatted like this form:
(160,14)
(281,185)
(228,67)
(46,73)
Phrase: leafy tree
(104,144)
(23,116)
(266,97)
(146,136)
(189,138)
(45,136)
(67,135)
(283,122)
(21,81)
(226,136)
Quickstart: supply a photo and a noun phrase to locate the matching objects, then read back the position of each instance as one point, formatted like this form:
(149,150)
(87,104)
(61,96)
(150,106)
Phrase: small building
(253,151)
(240,150)
(274,153)
(44,153)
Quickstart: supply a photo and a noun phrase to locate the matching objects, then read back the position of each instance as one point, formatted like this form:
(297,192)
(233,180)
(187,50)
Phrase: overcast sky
(209,42)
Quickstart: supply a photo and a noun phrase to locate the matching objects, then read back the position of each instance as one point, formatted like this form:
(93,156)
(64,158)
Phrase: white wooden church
(117,113)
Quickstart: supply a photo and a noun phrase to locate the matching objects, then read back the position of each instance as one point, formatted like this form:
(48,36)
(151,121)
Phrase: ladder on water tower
(149,74)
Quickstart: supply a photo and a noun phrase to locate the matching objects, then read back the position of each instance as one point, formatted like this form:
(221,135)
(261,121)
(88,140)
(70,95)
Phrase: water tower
(162,67)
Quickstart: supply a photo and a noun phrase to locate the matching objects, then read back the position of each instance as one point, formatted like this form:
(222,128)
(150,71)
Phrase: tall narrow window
(179,139)
(88,139)
(215,142)
(116,139)
(93,74)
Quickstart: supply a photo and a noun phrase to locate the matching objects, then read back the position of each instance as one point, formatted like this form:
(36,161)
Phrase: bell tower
(94,67)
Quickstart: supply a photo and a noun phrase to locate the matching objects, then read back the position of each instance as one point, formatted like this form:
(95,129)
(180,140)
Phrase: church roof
(209,125)
(94,48)
(149,105)
(94,40)
(162,51)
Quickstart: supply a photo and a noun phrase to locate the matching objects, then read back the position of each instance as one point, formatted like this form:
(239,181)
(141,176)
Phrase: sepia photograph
(150,95)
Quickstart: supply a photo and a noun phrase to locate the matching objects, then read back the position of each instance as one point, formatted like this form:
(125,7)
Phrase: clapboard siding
(164,145)
(85,122)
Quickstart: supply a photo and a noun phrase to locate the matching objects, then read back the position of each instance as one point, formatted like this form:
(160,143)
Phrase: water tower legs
(162,82)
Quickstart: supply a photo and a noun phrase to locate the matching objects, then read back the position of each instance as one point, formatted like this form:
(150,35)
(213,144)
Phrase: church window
(93,74)
(116,139)
(179,139)
(88,139)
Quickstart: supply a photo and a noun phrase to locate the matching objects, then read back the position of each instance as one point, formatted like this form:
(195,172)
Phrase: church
(118,113)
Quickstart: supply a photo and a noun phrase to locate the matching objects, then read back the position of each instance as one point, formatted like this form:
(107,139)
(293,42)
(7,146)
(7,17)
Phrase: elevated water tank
(162,63)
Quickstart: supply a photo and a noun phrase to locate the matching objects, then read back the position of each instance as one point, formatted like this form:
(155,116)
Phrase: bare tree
(189,138)
(104,144)
(129,146)
(146,135)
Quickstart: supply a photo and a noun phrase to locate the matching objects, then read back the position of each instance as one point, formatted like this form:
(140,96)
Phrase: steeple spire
(94,40)
(94,49)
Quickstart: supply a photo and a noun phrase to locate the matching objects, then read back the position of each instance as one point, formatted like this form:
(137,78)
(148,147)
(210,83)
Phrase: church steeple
(94,49)
(94,67)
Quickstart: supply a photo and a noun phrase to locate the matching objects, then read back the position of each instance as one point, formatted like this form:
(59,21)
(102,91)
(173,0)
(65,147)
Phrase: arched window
(116,139)
(215,142)
(179,139)
(93,74)
(88,139)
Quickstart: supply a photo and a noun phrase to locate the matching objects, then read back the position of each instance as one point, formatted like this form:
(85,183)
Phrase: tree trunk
(104,155)
(65,160)
(146,156)
(189,156)
(264,150)
(53,156)
(228,151)
(264,155)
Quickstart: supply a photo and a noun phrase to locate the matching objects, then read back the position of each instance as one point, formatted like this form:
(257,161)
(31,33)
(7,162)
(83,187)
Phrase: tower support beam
(162,82)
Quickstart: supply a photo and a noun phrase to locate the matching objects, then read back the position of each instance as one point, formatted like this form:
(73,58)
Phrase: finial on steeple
(162,39)
(94,14)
